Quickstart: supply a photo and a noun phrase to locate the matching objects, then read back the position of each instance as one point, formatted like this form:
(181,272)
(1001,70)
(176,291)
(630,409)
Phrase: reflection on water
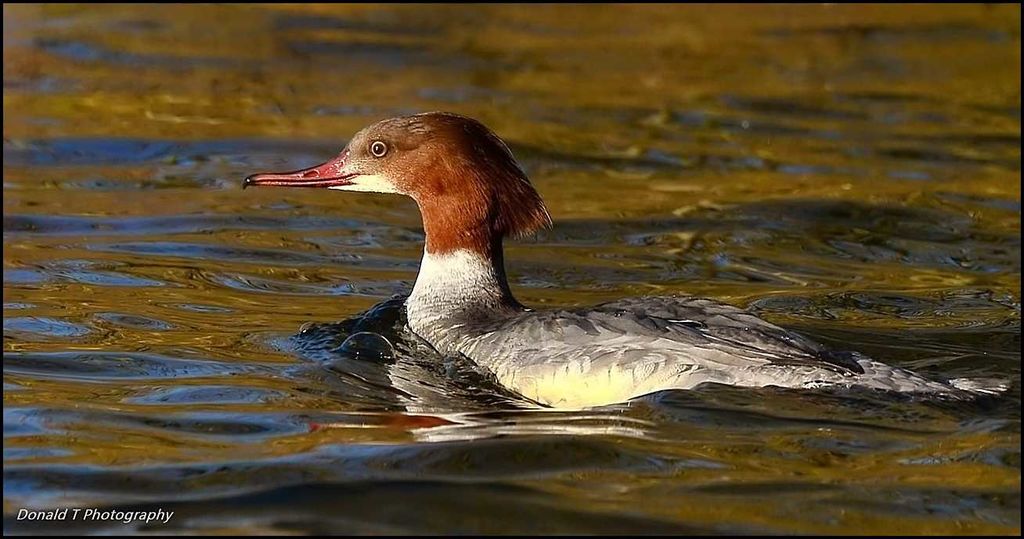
(849,172)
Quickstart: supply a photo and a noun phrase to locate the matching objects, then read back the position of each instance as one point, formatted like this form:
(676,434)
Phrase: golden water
(849,172)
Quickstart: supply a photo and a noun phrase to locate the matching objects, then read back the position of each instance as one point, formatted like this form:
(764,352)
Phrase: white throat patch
(368,183)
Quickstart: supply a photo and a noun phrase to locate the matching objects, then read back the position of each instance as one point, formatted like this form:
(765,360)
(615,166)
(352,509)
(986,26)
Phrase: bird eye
(378,148)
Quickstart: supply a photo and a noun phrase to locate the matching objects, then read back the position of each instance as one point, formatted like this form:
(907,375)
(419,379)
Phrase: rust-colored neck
(456,223)
(472,199)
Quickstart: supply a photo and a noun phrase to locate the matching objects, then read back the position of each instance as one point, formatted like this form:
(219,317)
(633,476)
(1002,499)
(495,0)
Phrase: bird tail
(980,386)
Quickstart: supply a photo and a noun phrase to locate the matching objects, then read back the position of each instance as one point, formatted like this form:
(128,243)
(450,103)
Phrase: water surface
(849,172)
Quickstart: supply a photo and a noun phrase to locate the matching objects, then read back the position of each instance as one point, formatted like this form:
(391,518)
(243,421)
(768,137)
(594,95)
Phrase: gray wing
(715,330)
(625,348)
(734,327)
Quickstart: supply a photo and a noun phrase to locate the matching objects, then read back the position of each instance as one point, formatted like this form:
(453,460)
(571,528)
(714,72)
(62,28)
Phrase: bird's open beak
(330,174)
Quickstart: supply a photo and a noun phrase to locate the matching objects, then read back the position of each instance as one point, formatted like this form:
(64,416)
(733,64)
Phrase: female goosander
(472,194)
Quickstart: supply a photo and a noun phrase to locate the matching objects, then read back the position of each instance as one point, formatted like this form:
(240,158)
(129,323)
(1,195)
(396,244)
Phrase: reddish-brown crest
(470,189)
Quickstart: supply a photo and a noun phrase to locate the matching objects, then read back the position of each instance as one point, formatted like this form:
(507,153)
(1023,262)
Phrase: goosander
(472,194)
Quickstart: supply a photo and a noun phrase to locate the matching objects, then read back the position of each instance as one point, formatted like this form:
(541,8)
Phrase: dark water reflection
(849,172)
